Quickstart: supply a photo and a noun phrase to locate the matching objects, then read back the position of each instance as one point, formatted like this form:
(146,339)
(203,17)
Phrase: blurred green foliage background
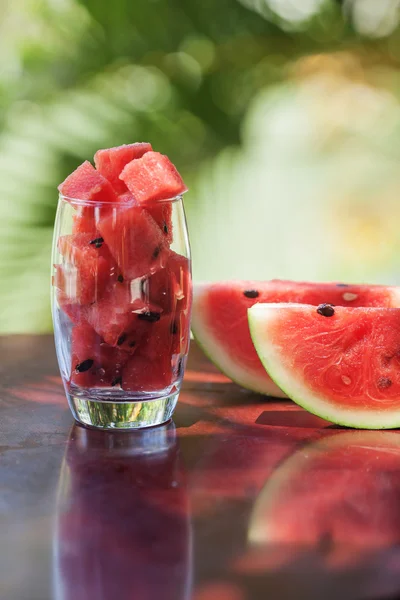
(282,115)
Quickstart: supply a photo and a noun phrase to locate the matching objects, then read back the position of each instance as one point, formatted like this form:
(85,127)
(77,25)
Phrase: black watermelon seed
(384,382)
(132,344)
(97,242)
(84,366)
(174,328)
(149,316)
(326,310)
(116,381)
(165,228)
(121,339)
(251,293)
(120,278)
(156,252)
(342,285)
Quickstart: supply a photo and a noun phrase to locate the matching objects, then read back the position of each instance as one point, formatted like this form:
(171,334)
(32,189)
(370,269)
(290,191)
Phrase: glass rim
(80,202)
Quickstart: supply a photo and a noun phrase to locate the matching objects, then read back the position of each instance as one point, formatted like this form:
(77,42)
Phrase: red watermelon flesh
(118,316)
(87,267)
(342,491)
(142,374)
(162,338)
(76,312)
(220,322)
(94,363)
(342,364)
(162,214)
(111,161)
(134,240)
(87,184)
(170,287)
(152,177)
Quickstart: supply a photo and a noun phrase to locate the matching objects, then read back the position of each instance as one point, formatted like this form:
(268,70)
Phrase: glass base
(127,414)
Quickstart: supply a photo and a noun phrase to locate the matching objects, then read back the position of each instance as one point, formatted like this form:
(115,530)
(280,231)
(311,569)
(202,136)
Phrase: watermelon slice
(87,267)
(220,319)
(111,161)
(152,177)
(94,363)
(342,364)
(76,312)
(162,214)
(341,491)
(135,241)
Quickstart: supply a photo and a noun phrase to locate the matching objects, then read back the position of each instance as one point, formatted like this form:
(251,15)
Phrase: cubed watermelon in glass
(93,362)
(87,267)
(152,177)
(87,184)
(76,312)
(144,374)
(134,240)
(111,161)
(162,214)
(120,316)
(170,287)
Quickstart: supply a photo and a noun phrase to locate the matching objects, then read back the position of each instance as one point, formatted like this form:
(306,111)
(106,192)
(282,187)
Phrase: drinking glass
(121,305)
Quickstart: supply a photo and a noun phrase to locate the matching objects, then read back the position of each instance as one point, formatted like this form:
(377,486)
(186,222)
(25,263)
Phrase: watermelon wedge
(342,364)
(220,323)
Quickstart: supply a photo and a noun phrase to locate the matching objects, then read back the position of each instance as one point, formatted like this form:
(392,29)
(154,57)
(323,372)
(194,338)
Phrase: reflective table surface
(240,498)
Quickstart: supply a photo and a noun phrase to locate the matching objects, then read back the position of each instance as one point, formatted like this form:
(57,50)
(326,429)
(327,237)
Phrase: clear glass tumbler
(121,304)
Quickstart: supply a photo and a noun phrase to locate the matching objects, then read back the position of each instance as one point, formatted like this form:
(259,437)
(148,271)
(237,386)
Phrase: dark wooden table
(240,498)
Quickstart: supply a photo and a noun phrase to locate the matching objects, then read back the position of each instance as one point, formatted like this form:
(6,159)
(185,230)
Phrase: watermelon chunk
(93,362)
(142,374)
(220,319)
(342,364)
(161,339)
(135,241)
(76,312)
(162,214)
(170,287)
(86,270)
(152,177)
(118,316)
(85,183)
(111,161)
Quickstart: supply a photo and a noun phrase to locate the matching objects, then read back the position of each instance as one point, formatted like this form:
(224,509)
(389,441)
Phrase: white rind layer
(261,319)
(217,352)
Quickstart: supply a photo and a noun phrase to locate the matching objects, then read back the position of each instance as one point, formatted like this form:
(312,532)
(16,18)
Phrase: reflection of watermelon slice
(152,177)
(220,319)
(340,491)
(111,161)
(343,367)
(86,270)
(134,240)
(94,363)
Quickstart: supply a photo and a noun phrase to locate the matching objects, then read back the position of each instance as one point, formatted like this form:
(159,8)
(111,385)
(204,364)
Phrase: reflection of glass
(123,520)
(340,492)
(121,309)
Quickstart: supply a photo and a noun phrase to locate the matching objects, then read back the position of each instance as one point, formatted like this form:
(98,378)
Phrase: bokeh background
(282,115)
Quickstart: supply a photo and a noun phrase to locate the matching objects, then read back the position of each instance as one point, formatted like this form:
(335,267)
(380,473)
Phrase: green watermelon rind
(214,352)
(259,316)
